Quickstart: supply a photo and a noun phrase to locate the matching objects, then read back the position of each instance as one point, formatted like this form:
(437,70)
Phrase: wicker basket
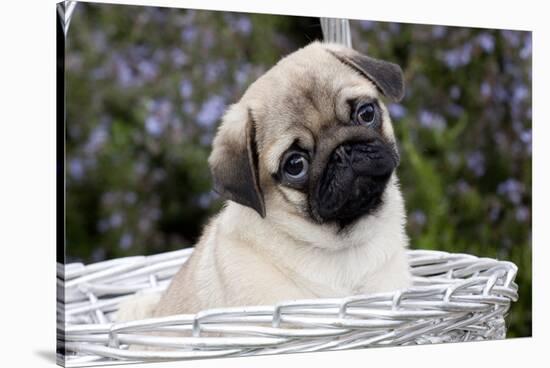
(455,297)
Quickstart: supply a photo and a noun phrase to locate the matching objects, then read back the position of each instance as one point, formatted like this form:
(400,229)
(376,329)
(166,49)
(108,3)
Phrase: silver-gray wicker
(455,297)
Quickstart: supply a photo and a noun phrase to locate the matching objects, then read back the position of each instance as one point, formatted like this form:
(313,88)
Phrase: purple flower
(124,74)
(213,70)
(103,225)
(186,88)
(98,254)
(154,125)
(148,70)
(242,74)
(501,93)
(394,27)
(526,50)
(520,93)
(486,41)
(512,189)
(458,57)
(476,163)
(455,92)
(526,136)
(97,138)
(397,111)
(179,58)
(485,89)
(125,241)
(189,107)
(205,199)
(243,25)
(522,214)
(189,34)
(494,212)
(439,31)
(431,120)
(211,110)
(462,186)
(366,25)
(455,110)
(116,219)
(130,197)
(418,217)
(76,168)
(512,37)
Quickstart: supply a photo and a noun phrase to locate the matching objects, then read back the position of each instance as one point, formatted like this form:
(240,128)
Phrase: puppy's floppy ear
(234,160)
(387,76)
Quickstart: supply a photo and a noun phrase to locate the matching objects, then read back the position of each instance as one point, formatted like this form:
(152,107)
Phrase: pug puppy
(306,161)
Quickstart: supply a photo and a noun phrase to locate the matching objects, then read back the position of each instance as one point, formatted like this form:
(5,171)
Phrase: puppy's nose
(372,150)
(342,154)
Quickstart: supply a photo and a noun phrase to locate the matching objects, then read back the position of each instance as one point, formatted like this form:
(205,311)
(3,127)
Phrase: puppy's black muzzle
(364,158)
(354,179)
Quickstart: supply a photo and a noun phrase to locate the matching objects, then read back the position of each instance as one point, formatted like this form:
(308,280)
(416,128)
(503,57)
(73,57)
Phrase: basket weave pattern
(455,297)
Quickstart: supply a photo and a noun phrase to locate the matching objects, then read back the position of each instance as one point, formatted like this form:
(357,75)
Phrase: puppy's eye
(295,167)
(365,114)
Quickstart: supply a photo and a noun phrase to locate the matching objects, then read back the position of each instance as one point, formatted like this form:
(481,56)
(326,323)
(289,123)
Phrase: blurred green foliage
(146,88)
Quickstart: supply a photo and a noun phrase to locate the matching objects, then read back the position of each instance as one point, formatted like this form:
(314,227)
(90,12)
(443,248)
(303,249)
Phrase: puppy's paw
(139,306)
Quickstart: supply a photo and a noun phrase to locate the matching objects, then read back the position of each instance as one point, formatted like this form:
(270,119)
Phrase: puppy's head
(311,138)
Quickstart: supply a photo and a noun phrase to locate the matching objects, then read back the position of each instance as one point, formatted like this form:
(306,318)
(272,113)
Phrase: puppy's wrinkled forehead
(304,94)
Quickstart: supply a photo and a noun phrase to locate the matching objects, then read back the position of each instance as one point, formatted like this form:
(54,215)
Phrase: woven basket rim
(454,297)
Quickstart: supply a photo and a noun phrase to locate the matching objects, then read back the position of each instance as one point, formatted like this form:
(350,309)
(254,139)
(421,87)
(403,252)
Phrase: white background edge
(27,179)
